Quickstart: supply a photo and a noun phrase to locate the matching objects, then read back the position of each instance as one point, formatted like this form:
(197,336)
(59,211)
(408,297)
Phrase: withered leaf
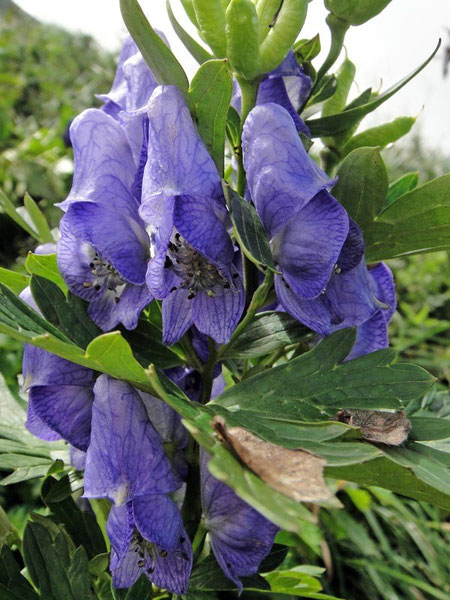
(295,473)
(382,427)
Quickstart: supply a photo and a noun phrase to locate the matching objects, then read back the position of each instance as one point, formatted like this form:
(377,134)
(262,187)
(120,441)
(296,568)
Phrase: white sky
(387,48)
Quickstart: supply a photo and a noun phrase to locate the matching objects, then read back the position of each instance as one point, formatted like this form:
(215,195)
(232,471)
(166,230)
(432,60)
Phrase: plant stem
(249,92)
(208,371)
(338,28)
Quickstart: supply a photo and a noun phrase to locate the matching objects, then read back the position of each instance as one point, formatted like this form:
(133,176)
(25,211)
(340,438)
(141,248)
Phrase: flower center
(106,276)
(196,273)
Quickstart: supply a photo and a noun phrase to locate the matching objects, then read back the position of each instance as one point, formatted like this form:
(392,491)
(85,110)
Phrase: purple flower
(137,546)
(104,249)
(191,268)
(307,227)
(240,536)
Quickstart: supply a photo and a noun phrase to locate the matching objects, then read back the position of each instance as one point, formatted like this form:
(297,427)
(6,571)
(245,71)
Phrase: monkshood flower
(104,248)
(191,269)
(126,463)
(307,227)
(240,536)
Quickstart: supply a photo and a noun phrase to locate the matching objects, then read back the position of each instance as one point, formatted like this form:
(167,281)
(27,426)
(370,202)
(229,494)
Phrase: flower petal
(172,569)
(37,427)
(118,92)
(282,178)
(40,367)
(66,409)
(371,336)
(353,248)
(107,312)
(158,520)
(176,316)
(124,554)
(307,248)
(386,289)
(240,536)
(311,313)
(125,458)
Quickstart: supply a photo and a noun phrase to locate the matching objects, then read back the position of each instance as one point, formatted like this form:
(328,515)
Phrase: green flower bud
(285,27)
(267,11)
(242,38)
(210,15)
(356,12)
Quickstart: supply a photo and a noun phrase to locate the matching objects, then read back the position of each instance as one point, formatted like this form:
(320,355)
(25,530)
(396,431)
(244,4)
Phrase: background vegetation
(381,546)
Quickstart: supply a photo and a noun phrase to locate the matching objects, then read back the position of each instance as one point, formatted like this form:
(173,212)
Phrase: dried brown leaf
(295,473)
(378,426)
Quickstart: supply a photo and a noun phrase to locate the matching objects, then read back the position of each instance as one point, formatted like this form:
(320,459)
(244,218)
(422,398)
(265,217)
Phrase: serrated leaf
(340,122)
(362,185)
(268,332)
(191,45)
(401,186)
(252,237)
(417,222)
(161,61)
(379,136)
(45,265)
(210,95)
(16,282)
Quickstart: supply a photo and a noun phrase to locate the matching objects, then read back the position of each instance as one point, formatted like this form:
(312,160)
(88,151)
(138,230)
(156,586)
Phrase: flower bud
(356,12)
(210,15)
(242,38)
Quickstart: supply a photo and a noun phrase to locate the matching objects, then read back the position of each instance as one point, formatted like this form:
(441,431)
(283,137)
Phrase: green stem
(190,353)
(249,92)
(338,28)
(208,370)
(257,302)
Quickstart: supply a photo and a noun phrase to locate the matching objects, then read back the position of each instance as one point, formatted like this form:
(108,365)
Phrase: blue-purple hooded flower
(104,248)
(192,267)
(240,536)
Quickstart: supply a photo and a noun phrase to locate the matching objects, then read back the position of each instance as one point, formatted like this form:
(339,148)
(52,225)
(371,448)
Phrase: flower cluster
(147,220)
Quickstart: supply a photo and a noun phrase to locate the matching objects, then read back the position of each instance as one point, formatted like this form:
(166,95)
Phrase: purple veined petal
(40,367)
(240,536)
(308,247)
(141,156)
(176,316)
(371,336)
(311,313)
(384,280)
(158,520)
(118,239)
(171,569)
(188,380)
(77,458)
(125,458)
(140,82)
(353,248)
(37,427)
(200,343)
(197,221)
(281,177)
(274,90)
(101,150)
(125,558)
(157,211)
(66,409)
(218,386)
(165,420)
(218,315)
(160,280)
(119,90)
(178,161)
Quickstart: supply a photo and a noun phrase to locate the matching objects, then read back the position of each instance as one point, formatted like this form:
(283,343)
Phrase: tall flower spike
(240,536)
(191,268)
(306,225)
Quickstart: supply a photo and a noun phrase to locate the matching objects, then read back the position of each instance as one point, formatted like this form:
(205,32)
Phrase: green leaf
(162,63)
(9,209)
(67,314)
(210,95)
(306,50)
(80,525)
(274,559)
(193,47)
(385,473)
(267,333)
(38,219)
(401,186)
(326,89)
(429,428)
(362,185)
(339,122)
(417,222)
(345,77)
(252,237)
(13,585)
(316,383)
(146,341)
(208,576)
(210,17)
(141,590)
(45,265)
(380,136)
(55,567)
(16,282)
(190,11)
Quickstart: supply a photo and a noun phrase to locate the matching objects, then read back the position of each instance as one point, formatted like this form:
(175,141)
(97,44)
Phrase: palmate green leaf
(401,186)
(339,122)
(210,95)
(384,472)
(250,232)
(417,222)
(13,585)
(191,45)
(317,380)
(267,333)
(16,282)
(362,185)
(162,63)
(379,136)
(56,568)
